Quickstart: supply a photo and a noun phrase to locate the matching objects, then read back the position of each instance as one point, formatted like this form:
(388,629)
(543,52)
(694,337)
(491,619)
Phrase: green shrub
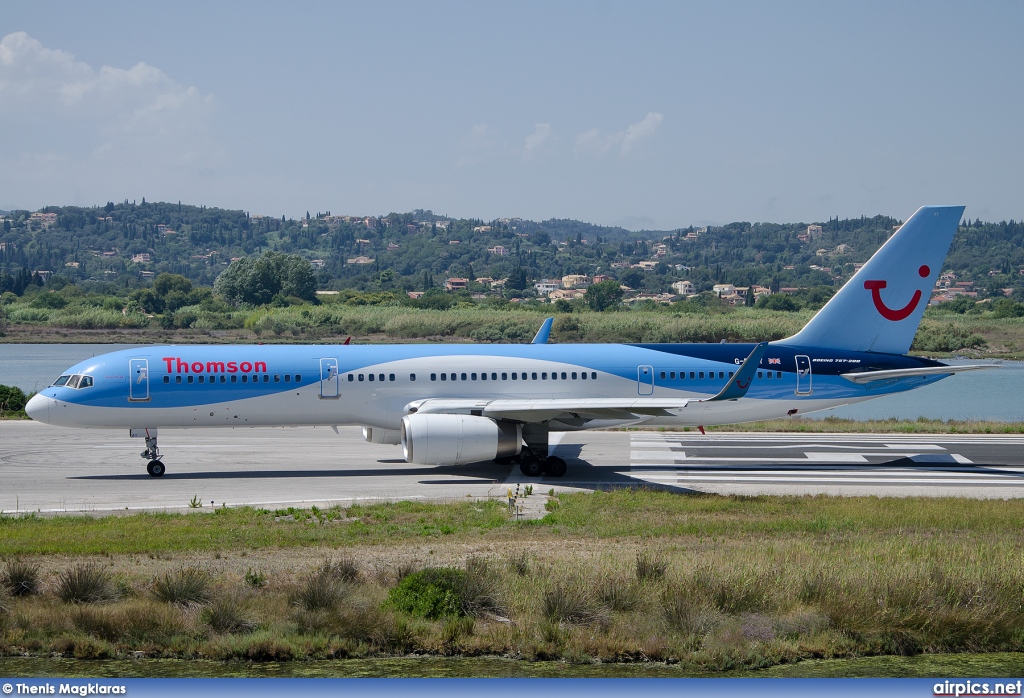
(432,593)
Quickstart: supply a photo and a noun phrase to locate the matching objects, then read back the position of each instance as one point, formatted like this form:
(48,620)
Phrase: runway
(50,469)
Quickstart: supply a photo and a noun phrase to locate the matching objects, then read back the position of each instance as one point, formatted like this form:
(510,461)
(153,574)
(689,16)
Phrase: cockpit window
(73,381)
(61,381)
(86,382)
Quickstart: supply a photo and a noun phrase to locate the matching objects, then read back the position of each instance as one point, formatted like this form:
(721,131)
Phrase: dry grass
(731,582)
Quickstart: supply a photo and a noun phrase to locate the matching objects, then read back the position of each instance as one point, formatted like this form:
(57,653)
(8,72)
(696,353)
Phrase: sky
(642,114)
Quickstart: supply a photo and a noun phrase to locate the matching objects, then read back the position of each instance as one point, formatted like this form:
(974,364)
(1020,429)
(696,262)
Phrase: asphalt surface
(44,468)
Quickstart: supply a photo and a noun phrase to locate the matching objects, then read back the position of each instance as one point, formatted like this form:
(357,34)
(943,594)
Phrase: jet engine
(456,439)
(375,435)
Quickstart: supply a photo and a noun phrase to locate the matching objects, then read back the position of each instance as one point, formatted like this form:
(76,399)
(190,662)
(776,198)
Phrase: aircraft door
(138,380)
(645,380)
(329,379)
(803,375)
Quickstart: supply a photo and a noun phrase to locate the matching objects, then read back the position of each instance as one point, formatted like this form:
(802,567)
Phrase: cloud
(599,144)
(100,120)
(541,135)
(475,147)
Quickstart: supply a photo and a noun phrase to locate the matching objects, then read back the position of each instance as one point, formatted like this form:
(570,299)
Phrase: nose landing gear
(152,453)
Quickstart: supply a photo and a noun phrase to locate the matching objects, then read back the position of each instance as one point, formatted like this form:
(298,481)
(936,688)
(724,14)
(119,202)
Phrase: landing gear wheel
(530,466)
(155,468)
(555,467)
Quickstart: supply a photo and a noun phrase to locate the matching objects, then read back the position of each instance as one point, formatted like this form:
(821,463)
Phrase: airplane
(457,404)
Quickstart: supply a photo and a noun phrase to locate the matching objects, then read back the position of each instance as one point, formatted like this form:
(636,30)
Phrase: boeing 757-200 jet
(457,404)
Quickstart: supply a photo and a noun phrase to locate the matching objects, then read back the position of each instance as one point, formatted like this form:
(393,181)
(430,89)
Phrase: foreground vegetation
(709,582)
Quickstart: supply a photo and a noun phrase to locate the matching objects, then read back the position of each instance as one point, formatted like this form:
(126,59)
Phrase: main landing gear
(152,453)
(531,462)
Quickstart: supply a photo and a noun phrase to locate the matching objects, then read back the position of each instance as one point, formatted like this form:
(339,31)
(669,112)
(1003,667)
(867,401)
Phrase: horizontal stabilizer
(872,376)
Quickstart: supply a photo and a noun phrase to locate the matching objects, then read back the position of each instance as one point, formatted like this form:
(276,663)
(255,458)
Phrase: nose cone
(38,408)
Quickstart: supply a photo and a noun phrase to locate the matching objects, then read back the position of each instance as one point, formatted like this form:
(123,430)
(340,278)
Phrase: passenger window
(298,378)
(760,375)
(266,377)
(662,375)
(691,375)
(223,379)
(472,376)
(277,377)
(731,374)
(64,379)
(463,376)
(494,376)
(167,379)
(513,375)
(371,379)
(234,379)
(245,378)
(483,376)
(593,375)
(583,375)
(671,375)
(380,378)
(574,375)
(391,377)
(504,376)
(721,375)
(444,376)
(361,378)
(563,375)
(202,379)
(192,379)
(433,376)
(701,374)
(177,379)
(542,375)
(778,374)
(412,376)
(455,376)
(86,382)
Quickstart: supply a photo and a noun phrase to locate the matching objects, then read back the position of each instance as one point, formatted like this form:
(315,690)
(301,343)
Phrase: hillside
(125,244)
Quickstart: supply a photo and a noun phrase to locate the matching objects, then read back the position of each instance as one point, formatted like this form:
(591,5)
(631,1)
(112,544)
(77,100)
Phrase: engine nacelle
(375,435)
(456,439)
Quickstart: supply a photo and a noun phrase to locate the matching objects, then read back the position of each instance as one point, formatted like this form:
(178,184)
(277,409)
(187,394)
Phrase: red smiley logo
(900,313)
(741,385)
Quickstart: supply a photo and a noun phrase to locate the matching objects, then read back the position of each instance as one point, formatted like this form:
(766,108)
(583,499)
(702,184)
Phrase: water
(992,394)
(1002,664)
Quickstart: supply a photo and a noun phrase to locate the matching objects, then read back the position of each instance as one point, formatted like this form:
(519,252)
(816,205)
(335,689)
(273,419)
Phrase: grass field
(706,581)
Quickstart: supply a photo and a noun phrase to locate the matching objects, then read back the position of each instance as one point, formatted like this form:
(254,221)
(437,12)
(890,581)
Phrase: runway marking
(668,459)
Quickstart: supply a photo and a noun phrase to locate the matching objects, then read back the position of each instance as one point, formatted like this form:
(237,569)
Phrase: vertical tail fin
(880,308)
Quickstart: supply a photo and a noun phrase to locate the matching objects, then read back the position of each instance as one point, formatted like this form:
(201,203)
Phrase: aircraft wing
(587,409)
(871,376)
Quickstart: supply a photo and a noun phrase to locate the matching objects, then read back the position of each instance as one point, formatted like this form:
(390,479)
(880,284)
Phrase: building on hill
(546,286)
(456,284)
(684,287)
(575,281)
(361,259)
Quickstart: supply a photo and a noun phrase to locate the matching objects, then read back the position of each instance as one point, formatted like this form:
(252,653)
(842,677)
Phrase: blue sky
(643,114)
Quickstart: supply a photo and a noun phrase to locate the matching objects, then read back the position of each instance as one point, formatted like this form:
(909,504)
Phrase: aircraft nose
(38,408)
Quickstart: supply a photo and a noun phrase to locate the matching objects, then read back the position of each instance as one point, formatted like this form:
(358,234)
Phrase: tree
(256,280)
(603,295)
(778,301)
